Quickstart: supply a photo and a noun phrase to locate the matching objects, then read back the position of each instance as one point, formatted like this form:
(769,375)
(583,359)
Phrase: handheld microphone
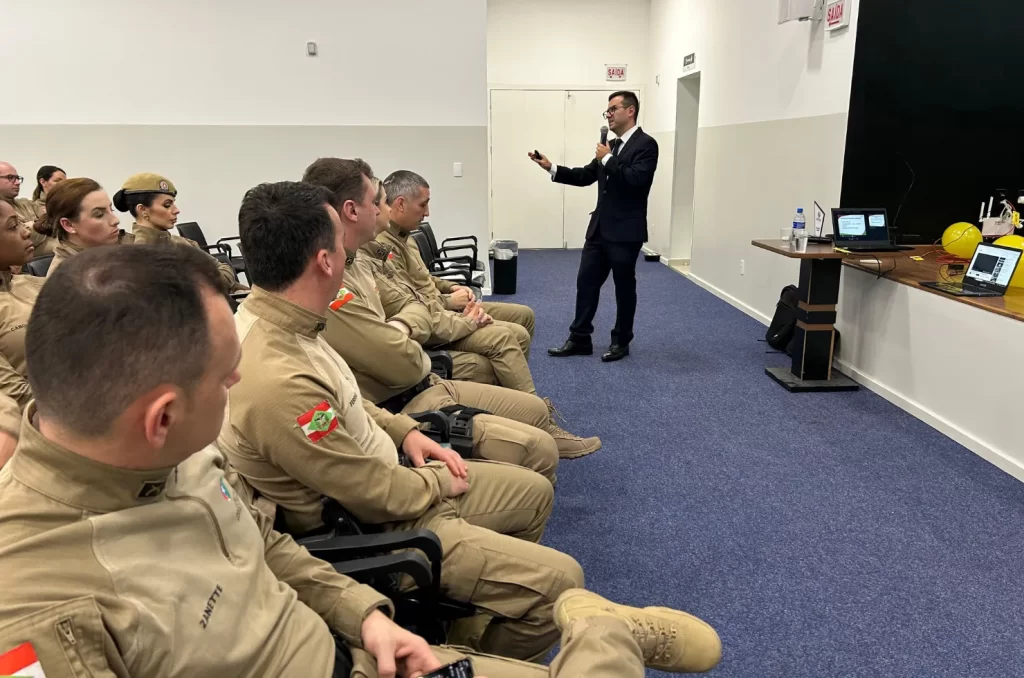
(604,135)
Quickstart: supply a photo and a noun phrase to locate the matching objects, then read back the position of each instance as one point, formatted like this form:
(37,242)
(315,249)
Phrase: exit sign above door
(615,72)
(837,15)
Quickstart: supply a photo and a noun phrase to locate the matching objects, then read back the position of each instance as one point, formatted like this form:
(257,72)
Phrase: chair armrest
(443,251)
(462,261)
(459,238)
(216,249)
(338,549)
(226,242)
(441,363)
(438,422)
(461,275)
(368,570)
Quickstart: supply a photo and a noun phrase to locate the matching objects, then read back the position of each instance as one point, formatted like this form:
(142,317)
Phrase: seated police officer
(393,371)
(125,550)
(298,429)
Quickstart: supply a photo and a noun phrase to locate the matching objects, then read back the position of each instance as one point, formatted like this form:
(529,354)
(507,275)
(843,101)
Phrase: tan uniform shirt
(17,297)
(397,292)
(146,235)
(297,427)
(408,262)
(112,572)
(64,251)
(29,212)
(384,360)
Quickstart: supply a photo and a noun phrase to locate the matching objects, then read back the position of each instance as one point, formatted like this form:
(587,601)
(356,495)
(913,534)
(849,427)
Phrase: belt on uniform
(396,403)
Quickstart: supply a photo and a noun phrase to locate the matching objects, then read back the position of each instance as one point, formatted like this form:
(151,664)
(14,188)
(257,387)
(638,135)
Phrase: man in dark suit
(624,171)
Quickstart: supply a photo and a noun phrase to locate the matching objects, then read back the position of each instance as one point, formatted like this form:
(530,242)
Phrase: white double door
(525,204)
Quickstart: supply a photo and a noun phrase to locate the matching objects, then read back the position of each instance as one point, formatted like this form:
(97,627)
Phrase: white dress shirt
(604,161)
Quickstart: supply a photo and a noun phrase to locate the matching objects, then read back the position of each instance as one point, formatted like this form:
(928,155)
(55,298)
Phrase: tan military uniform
(387,363)
(443,326)
(17,297)
(64,251)
(112,572)
(30,212)
(297,428)
(520,314)
(501,343)
(409,264)
(146,235)
(176,558)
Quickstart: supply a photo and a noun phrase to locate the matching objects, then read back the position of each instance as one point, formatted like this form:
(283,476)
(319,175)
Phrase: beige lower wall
(213,166)
(750,179)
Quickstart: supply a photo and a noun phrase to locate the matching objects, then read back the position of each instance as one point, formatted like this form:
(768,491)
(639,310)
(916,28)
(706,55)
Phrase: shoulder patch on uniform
(344,296)
(319,421)
(21,661)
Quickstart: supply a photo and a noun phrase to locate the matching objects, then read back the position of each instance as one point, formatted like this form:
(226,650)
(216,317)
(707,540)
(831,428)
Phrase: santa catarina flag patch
(318,422)
(344,296)
(21,662)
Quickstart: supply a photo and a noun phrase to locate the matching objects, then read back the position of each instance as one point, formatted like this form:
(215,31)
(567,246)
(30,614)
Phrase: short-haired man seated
(298,429)
(409,198)
(392,369)
(126,550)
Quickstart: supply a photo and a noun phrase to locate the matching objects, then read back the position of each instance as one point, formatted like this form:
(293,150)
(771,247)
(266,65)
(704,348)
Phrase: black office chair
(221,250)
(38,266)
(463,275)
(468,244)
(379,559)
(441,363)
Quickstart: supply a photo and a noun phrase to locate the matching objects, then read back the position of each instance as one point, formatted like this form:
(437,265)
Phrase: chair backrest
(429,231)
(39,266)
(192,231)
(423,245)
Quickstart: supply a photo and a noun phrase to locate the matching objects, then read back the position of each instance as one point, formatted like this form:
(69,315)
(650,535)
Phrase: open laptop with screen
(989,274)
(863,230)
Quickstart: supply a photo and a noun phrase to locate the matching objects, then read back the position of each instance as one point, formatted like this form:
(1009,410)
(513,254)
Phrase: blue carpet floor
(878,549)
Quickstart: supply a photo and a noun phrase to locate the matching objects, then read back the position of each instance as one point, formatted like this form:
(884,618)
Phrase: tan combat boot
(569,446)
(669,640)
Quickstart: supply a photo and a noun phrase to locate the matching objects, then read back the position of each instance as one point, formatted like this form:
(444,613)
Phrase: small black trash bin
(506,266)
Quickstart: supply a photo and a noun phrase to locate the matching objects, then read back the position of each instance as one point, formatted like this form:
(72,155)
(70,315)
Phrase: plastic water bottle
(800,230)
(799,222)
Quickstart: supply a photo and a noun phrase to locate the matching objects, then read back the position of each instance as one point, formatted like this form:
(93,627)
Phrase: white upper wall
(753,70)
(243,62)
(566,43)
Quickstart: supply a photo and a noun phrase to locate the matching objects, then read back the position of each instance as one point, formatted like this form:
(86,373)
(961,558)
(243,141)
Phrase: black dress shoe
(615,352)
(571,348)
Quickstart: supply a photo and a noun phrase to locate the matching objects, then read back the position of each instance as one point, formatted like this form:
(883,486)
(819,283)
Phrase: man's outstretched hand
(541,160)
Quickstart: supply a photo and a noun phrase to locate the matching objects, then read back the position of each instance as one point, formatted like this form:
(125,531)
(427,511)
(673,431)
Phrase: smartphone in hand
(460,669)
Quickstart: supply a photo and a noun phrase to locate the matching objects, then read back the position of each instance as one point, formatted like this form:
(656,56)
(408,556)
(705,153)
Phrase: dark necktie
(616,145)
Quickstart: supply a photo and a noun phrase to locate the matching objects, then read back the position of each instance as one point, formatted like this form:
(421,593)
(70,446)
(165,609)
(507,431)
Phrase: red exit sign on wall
(615,72)
(837,15)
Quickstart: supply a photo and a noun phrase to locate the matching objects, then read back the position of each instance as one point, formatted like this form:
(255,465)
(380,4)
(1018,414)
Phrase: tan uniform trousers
(472,367)
(515,431)
(492,559)
(512,313)
(502,344)
(602,647)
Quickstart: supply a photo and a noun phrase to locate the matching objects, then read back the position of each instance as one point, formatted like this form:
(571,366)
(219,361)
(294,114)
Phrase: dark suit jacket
(622,189)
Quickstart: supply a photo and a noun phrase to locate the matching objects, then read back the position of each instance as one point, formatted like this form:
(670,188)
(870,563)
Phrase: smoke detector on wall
(800,10)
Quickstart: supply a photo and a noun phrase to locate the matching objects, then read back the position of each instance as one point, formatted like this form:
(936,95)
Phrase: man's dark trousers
(599,258)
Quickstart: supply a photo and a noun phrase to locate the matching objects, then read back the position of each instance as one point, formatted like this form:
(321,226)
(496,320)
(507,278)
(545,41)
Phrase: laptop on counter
(989,274)
(863,230)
